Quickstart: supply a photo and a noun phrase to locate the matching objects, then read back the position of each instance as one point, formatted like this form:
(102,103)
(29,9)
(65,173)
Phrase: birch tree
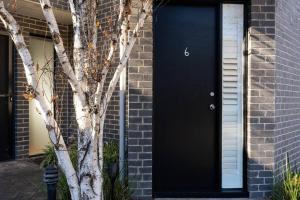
(87,79)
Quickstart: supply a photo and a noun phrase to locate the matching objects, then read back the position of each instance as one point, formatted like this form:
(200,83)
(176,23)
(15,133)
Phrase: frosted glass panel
(232,96)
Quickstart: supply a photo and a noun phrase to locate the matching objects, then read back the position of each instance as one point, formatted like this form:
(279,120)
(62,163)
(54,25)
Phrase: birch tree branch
(89,28)
(84,16)
(146,9)
(94,25)
(80,100)
(54,132)
(100,85)
(123,16)
(60,49)
(77,44)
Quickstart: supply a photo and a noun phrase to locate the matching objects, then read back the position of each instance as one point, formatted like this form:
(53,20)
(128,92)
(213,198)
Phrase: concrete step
(202,199)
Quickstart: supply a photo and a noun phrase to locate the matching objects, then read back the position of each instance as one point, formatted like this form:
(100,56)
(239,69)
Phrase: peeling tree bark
(90,107)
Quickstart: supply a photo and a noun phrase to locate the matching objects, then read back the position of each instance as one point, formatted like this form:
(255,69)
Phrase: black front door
(5,100)
(185,154)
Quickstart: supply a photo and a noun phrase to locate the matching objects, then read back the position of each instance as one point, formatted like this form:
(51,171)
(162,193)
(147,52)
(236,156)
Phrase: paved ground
(21,180)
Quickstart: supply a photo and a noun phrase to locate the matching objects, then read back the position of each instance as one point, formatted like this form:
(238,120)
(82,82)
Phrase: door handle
(10,97)
(212,107)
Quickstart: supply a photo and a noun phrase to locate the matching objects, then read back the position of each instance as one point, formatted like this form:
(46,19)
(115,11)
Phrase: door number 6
(186,52)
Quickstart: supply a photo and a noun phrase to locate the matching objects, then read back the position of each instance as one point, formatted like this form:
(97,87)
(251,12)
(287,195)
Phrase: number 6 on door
(186,53)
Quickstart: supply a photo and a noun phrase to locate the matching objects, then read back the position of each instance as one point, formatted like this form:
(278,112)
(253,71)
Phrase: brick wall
(287,135)
(261,97)
(71,110)
(140,112)
(21,106)
(109,9)
(60,4)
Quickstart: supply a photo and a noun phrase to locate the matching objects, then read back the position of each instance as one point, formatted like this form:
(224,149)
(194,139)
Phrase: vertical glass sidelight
(232,95)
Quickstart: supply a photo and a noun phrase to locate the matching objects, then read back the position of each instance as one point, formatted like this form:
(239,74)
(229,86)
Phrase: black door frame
(223,193)
(11,64)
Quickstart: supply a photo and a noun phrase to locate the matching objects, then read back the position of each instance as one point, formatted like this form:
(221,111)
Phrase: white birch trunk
(77,44)
(84,54)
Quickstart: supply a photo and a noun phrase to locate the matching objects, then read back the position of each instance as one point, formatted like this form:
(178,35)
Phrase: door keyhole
(212,107)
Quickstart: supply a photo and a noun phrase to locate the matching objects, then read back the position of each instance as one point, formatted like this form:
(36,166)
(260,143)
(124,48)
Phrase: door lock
(212,107)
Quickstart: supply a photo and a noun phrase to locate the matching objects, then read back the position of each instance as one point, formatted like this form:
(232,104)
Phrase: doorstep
(201,199)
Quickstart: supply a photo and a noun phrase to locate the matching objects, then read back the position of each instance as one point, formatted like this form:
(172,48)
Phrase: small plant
(278,192)
(114,189)
(289,187)
(110,154)
(292,184)
(121,189)
(50,157)
(63,188)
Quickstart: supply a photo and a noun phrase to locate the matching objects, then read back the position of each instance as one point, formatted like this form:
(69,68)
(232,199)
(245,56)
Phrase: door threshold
(231,194)
(202,198)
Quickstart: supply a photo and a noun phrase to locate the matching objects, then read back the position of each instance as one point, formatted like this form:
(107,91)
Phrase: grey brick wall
(21,106)
(261,97)
(108,10)
(140,113)
(287,134)
(72,126)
